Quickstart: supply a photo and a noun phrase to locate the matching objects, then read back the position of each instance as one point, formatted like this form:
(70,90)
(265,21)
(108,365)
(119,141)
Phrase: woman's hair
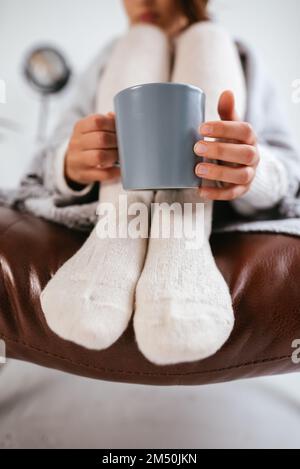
(194,10)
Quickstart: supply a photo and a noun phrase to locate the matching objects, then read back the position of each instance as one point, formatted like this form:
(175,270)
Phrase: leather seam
(138,373)
(10,226)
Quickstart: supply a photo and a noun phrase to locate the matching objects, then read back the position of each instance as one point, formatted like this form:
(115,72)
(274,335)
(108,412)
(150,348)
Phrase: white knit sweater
(269,186)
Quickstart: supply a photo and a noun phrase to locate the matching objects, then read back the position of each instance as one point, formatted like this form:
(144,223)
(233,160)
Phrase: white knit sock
(90,299)
(206,56)
(183,305)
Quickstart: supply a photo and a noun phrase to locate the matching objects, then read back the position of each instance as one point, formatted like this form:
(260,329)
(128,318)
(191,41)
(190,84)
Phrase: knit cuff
(59,175)
(269,186)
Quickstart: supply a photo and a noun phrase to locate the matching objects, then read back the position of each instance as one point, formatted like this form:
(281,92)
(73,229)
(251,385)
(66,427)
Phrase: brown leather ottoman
(262,270)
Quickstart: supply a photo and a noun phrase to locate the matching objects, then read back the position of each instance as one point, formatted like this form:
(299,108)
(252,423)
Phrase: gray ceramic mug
(157,127)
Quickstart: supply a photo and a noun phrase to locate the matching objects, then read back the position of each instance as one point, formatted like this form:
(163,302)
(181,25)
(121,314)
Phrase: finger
(230,193)
(226,107)
(228,152)
(98,141)
(96,123)
(112,120)
(99,158)
(103,174)
(235,175)
(239,131)
(90,175)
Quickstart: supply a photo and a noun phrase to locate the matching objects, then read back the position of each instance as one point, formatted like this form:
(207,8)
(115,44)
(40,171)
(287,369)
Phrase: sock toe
(169,336)
(93,328)
(101,329)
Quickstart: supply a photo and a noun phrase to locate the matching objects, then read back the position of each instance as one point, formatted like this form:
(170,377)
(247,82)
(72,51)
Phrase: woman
(183,309)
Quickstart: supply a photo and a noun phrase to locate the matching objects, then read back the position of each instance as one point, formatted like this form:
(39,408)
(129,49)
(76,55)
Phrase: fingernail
(200,148)
(201,170)
(206,129)
(103,165)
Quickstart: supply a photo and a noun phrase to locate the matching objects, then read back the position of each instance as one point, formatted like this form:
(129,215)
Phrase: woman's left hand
(237,144)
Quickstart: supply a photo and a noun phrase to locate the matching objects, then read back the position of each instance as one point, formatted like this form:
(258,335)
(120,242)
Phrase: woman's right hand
(92,151)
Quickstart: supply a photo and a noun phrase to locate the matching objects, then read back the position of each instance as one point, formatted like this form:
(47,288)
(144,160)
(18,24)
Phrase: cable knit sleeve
(269,186)
(81,103)
(278,175)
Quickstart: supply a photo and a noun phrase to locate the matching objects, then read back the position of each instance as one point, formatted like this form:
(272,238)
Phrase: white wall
(81,27)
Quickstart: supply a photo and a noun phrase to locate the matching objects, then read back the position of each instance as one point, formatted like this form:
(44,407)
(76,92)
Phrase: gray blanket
(37,194)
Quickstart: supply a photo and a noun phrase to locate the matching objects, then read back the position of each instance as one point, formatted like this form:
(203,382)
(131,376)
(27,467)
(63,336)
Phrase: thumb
(226,107)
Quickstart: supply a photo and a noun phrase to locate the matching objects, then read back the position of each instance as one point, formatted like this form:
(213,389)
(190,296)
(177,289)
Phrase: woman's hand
(237,144)
(92,151)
